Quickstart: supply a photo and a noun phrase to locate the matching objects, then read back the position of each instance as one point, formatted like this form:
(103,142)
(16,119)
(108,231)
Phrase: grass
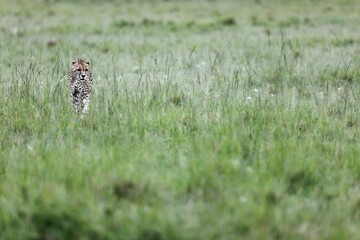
(209,120)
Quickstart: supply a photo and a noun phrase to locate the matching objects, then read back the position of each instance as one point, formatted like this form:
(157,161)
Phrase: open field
(209,120)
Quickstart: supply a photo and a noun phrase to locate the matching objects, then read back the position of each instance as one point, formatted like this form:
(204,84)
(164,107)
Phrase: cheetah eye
(86,70)
(78,69)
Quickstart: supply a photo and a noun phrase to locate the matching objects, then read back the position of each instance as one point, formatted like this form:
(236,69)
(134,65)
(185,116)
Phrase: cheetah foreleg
(75,99)
(85,104)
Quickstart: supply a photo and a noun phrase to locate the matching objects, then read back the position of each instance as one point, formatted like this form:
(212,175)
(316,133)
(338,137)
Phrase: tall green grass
(209,120)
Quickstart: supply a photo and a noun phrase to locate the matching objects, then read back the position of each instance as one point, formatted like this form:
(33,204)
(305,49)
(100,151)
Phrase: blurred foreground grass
(209,120)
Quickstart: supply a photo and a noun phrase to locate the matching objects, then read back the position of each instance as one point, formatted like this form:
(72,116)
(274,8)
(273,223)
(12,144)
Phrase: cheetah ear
(87,63)
(73,62)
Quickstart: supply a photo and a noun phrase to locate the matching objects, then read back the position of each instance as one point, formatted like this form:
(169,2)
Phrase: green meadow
(209,119)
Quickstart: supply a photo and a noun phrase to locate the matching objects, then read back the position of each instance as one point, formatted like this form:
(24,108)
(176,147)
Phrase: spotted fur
(80,83)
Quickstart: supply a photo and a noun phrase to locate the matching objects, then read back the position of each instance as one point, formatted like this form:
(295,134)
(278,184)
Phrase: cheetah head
(80,69)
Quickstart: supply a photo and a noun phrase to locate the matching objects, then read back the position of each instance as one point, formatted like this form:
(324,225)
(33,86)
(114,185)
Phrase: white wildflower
(243,199)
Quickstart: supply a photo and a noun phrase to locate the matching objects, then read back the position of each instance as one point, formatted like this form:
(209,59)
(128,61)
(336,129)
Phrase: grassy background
(209,120)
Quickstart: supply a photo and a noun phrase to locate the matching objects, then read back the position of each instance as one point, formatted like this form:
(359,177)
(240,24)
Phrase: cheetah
(80,83)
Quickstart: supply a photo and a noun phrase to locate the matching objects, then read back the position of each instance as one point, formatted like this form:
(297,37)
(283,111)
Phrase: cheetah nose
(83,75)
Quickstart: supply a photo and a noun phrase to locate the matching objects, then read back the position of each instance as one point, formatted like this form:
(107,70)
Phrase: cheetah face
(80,69)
